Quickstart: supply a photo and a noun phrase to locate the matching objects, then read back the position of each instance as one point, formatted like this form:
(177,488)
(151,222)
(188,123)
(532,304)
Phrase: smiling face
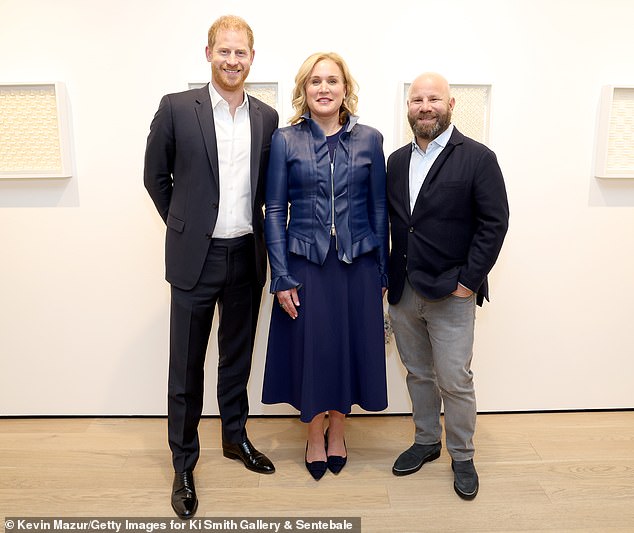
(429,107)
(231,59)
(325,90)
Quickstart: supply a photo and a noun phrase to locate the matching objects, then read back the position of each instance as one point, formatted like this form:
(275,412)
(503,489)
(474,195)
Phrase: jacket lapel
(206,121)
(255,116)
(456,138)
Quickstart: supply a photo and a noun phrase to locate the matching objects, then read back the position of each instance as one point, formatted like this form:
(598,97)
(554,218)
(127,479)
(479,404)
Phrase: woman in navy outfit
(326,232)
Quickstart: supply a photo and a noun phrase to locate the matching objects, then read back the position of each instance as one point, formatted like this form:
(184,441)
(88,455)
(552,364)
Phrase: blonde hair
(229,22)
(349,105)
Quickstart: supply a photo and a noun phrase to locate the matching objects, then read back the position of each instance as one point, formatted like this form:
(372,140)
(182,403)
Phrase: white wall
(83,303)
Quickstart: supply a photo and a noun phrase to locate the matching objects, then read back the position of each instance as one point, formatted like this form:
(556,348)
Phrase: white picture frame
(614,147)
(34,131)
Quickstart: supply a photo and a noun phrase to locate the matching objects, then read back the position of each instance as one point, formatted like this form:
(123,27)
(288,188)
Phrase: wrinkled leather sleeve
(377,203)
(276,216)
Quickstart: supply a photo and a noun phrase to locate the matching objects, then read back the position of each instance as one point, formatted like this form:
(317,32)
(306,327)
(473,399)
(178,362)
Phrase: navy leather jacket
(299,175)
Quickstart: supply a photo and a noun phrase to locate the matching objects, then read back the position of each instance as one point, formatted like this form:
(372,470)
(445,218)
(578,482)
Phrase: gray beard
(429,133)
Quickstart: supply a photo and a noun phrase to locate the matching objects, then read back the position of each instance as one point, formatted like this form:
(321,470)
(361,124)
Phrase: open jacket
(299,175)
(456,230)
(182,178)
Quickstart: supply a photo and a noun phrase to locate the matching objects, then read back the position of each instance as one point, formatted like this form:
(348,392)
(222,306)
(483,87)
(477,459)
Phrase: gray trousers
(435,341)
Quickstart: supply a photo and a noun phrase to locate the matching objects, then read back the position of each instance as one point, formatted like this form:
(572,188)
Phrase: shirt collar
(440,141)
(216,98)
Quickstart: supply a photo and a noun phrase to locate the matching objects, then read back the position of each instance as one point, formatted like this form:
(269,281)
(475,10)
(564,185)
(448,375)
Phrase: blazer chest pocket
(175,223)
(453,200)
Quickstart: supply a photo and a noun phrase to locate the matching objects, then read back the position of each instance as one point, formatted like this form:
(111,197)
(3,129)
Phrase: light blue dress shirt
(421,162)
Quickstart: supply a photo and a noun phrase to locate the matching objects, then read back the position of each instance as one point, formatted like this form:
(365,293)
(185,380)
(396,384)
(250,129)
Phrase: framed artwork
(614,157)
(34,131)
(266,91)
(470,115)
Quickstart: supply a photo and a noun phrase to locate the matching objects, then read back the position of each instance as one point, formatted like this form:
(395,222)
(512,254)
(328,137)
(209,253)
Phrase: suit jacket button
(208,235)
(411,230)
(214,206)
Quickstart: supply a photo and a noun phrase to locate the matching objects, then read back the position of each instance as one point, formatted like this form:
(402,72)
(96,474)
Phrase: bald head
(430,81)
(429,107)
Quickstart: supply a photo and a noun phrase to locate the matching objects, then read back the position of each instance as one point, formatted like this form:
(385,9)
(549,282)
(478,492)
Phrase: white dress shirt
(233,139)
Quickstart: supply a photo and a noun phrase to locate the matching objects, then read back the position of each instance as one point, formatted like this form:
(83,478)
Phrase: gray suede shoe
(414,457)
(465,477)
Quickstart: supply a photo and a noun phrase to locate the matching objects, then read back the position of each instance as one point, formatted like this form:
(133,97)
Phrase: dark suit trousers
(228,280)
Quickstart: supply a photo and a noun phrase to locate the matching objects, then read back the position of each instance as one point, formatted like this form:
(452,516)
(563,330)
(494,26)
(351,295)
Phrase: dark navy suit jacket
(455,232)
(181,176)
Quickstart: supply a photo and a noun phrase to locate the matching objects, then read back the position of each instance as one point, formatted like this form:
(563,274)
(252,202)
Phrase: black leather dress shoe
(465,478)
(184,499)
(414,457)
(252,459)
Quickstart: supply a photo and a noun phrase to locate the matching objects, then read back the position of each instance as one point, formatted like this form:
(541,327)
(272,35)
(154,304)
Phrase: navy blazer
(455,232)
(299,175)
(181,176)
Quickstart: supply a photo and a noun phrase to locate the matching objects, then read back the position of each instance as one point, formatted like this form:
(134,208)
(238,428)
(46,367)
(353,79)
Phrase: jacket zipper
(333,229)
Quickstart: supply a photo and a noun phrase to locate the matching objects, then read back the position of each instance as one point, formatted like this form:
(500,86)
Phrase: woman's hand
(289,302)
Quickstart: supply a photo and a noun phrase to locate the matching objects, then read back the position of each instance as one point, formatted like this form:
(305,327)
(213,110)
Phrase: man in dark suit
(448,216)
(205,163)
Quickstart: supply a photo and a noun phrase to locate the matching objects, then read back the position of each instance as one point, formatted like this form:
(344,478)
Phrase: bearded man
(448,216)
(205,166)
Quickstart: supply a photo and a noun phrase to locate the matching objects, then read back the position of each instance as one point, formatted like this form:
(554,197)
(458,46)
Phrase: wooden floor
(538,472)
